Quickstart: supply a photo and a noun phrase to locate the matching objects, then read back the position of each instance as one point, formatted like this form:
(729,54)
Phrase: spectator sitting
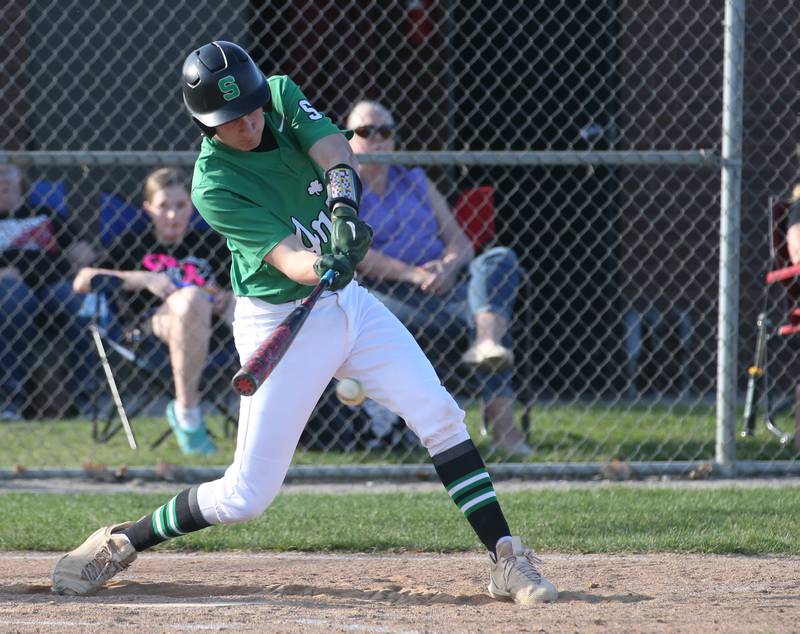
(419,273)
(38,253)
(176,275)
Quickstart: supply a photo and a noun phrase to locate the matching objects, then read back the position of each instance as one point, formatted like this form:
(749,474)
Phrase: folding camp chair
(101,286)
(104,289)
(51,194)
(781,277)
(474,210)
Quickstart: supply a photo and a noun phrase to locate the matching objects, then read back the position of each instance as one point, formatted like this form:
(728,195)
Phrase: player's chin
(246,145)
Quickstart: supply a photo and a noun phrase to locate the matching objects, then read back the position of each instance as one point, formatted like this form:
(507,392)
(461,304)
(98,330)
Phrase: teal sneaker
(190,442)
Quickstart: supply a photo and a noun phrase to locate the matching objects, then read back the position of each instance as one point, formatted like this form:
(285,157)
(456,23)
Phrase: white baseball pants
(349,333)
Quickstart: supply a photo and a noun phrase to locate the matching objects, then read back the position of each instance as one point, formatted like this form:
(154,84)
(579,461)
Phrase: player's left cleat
(515,575)
(94,562)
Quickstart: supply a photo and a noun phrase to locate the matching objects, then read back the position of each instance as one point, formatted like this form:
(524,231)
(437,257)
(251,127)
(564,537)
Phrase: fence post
(730,233)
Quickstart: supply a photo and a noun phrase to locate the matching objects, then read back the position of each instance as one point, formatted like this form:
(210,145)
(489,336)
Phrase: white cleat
(515,575)
(94,562)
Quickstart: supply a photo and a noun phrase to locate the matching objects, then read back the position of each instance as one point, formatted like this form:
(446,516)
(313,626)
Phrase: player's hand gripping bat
(262,362)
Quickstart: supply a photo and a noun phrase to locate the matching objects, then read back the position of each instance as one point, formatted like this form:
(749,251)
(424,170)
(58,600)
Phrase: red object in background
(419,24)
(781,266)
(474,211)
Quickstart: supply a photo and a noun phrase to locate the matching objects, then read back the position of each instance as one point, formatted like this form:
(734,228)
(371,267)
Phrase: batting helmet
(221,83)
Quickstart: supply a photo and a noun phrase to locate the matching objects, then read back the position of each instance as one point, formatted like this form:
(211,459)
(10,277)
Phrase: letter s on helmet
(220,83)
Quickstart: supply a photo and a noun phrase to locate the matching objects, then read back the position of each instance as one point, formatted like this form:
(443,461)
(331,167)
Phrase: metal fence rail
(623,152)
(706,158)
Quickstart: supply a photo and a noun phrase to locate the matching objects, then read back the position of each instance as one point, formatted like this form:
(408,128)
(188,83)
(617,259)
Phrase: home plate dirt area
(309,592)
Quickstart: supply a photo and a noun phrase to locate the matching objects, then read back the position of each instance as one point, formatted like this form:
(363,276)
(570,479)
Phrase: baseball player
(279,181)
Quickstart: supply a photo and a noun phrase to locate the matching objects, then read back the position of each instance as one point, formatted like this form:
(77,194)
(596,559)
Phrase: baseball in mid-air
(350,392)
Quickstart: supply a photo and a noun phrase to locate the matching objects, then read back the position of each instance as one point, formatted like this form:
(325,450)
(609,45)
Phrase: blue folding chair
(50,194)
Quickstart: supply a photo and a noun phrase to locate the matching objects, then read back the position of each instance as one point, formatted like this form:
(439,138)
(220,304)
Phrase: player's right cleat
(515,575)
(94,562)
(196,441)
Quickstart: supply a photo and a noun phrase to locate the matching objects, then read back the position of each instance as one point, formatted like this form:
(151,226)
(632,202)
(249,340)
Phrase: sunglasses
(371,131)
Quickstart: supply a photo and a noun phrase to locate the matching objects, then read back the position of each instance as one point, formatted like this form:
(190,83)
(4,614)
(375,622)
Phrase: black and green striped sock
(179,516)
(463,473)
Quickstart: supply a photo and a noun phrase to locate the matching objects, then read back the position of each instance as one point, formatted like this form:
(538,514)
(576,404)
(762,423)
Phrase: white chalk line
(143,603)
(182,626)
(350,627)
(354,627)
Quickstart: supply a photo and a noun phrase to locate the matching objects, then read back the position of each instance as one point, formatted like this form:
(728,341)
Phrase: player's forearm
(291,259)
(333,150)
(301,269)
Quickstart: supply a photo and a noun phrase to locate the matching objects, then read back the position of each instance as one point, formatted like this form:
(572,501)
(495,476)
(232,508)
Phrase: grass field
(601,520)
(559,433)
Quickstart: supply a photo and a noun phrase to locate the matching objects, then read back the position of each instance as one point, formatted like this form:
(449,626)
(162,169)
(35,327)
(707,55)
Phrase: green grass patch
(559,433)
(602,520)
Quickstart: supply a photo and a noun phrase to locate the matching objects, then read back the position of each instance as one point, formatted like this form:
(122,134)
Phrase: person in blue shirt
(423,267)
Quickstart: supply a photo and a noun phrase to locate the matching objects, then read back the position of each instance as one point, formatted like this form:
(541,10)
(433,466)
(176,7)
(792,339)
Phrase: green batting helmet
(220,83)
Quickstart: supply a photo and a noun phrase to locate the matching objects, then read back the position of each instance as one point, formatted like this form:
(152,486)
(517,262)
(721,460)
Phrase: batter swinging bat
(269,353)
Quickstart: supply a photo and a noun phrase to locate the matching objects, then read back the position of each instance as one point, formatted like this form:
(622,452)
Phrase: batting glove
(350,236)
(344,267)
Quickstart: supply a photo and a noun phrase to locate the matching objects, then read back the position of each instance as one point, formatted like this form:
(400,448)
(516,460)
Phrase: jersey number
(313,114)
(228,87)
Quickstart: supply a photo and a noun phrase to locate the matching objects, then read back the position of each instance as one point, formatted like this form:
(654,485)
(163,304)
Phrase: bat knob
(244,383)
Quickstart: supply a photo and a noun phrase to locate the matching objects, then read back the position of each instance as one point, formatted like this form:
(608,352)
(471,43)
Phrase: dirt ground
(303,592)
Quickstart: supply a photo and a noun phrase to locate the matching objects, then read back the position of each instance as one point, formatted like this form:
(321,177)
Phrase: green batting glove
(344,267)
(350,235)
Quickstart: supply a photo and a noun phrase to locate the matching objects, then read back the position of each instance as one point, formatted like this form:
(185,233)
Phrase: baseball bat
(262,362)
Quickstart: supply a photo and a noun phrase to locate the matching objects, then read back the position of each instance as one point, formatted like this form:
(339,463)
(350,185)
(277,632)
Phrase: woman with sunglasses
(422,266)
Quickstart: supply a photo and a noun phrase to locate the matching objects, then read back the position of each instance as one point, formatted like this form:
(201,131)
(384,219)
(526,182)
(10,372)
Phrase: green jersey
(255,199)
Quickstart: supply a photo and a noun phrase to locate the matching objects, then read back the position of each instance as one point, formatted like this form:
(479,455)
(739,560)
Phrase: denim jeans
(48,316)
(490,286)
(18,308)
(66,324)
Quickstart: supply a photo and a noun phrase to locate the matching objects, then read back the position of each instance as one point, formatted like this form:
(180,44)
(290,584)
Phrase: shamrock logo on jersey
(315,188)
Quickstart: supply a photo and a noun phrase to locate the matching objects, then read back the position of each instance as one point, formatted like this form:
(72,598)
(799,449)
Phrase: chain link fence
(582,136)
